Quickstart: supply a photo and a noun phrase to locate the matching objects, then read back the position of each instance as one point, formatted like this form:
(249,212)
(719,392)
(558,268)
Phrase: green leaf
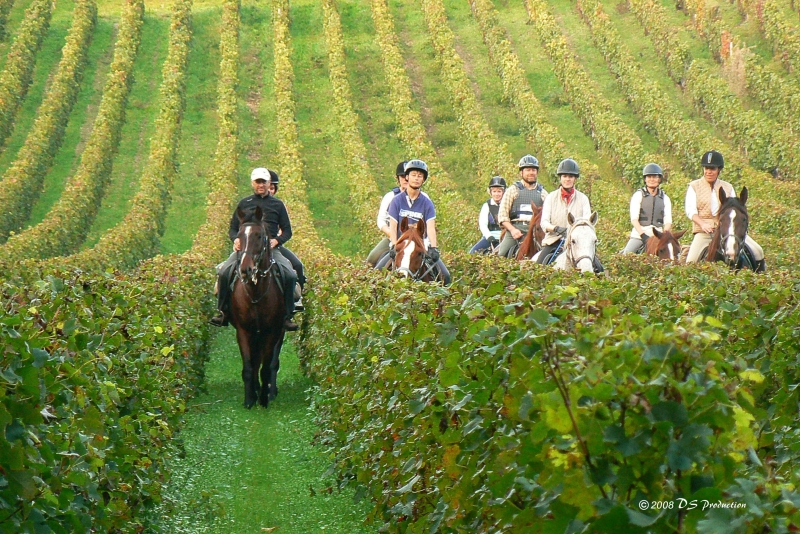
(408,486)
(671,411)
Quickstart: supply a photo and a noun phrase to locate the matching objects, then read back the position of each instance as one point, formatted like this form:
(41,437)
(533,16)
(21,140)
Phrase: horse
(410,260)
(532,242)
(257,310)
(728,240)
(664,245)
(580,245)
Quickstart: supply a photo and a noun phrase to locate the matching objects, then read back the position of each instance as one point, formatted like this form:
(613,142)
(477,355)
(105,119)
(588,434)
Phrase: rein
(741,256)
(259,273)
(575,261)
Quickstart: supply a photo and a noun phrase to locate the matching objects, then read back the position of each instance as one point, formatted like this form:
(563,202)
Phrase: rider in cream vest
(702,207)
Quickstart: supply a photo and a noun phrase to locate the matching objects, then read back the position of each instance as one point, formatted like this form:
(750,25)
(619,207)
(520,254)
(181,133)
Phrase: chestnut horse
(257,310)
(664,245)
(532,242)
(728,240)
(409,257)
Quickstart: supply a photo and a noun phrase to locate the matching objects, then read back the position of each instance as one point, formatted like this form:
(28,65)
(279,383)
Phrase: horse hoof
(274,394)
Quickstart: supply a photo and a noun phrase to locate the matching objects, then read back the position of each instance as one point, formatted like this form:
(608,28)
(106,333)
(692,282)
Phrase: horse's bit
(259,273)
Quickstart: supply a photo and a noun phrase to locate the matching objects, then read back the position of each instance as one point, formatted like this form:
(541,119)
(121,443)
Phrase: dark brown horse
(532,242)
(409,257)
(664,245)
(257,311)
(728,240)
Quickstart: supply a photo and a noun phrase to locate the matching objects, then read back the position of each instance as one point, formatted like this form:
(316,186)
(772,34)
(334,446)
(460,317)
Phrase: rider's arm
(636,206)
(504,212)
(690,204)
(545,223)
(233,229)
(285,226)
(393,231)
(431,226)
(382,213)
(483,221)
(667,214)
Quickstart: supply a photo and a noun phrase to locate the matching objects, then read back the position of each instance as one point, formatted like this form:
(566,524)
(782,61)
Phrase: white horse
(580,245)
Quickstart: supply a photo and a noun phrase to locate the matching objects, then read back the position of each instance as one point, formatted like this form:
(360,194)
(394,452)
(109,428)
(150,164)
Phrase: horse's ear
(404,225)
(259,213)
(421,227)
(723,196)
(570,219)
(240,214)
(743,196)
(679,235)
(658,233)
(593,218)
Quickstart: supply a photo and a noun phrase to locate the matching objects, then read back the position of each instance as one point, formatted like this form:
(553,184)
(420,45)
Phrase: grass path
(248,471)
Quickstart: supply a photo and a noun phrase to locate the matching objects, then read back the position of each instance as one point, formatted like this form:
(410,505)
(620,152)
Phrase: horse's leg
(275,365)
(249,376)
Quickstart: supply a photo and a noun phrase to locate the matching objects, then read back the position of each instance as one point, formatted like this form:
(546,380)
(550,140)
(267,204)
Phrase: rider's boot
(222,291)
(289,325)
(220,319)
(298,298)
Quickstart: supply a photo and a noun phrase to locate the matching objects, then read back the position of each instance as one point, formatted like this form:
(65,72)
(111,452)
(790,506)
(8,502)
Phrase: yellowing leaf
(752,375)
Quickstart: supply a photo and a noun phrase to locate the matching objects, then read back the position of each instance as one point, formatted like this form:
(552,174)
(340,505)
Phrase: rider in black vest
(516,208)
(650,208)
(488,219)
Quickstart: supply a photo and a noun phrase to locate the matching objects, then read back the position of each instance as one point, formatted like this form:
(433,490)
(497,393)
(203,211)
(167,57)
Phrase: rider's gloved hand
(493,241)
(560,230)
(433,254)
(644,238)
(392,252)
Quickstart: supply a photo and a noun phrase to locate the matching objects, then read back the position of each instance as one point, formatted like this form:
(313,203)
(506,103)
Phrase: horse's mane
(729,204)
(528,246)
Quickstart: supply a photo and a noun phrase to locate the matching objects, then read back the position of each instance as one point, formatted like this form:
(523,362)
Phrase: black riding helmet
(401,169)
(653,169)
(528,161)
(712,158)
(497,181)
(274,179)
(568,166)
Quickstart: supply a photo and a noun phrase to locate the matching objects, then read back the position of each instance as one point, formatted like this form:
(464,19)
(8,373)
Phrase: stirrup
(289,325)
(220,319)
(298,305)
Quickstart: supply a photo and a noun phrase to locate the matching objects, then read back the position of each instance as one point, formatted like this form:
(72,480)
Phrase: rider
(557,206)
(487,219)
(650,208)
(297,265)
(516,209)
(702,207)
(382,247)
(279,226)
(415,205)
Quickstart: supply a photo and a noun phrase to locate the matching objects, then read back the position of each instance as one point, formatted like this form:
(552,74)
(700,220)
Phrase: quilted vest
(703,192)
(651,213)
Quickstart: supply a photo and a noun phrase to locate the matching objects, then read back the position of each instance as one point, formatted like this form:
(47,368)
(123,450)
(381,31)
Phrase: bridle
(723,237)
(425,268)
(257,273)
(575,261)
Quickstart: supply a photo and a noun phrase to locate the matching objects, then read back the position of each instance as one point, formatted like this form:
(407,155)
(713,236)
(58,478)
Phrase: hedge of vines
(526,400)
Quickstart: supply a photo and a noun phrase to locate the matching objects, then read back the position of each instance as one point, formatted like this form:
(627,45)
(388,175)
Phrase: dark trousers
(297,265)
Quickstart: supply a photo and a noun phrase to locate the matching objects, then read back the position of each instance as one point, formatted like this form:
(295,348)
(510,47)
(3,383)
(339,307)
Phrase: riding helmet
(528,161)
(712,158)
(497,181)
(274,179)
(401,169)
(419,165)
(568,166)
(653,168)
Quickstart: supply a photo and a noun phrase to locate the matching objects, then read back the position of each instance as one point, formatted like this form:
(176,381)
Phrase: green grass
(81,120)
(546,87)
(258,468)
(46,62)
(325,168)
(140,114)
(370,96)
(199,134)
(15,16)
(432,96)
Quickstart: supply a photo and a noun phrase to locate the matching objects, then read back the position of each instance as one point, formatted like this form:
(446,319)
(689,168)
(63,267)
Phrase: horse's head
(733,223)
(581,243)
(254,238)
(410,249)
(665,245)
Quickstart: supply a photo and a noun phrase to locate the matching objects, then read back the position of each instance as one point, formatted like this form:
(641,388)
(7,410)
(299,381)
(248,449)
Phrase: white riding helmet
(260,173)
